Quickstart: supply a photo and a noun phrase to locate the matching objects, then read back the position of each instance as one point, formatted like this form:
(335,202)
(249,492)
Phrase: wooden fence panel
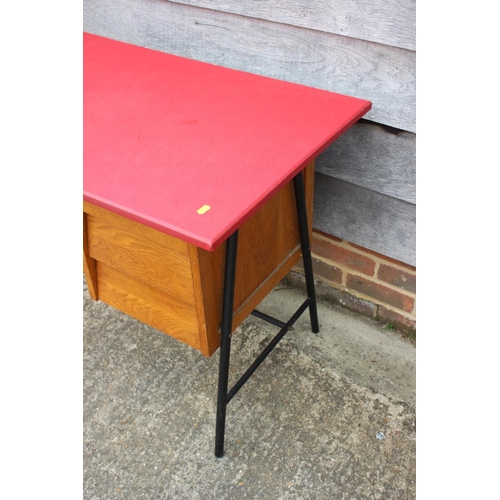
(380,73)
(369,219)
(390,22)
(371,156)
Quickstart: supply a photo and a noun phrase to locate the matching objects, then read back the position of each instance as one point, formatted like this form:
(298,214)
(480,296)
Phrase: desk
(198,191)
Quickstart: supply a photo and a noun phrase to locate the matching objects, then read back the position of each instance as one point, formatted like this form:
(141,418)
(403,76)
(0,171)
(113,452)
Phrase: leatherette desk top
(165,137)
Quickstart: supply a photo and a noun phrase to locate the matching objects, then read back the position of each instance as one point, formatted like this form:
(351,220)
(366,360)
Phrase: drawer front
(157,260)
(133,297)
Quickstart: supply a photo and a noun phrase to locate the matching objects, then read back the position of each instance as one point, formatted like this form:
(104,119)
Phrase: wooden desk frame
(223,396)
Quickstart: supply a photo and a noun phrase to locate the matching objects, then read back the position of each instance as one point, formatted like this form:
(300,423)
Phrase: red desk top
(165,136)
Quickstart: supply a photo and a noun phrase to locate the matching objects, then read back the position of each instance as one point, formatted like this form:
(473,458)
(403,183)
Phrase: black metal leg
(225,347)
(300,201)
(223,396)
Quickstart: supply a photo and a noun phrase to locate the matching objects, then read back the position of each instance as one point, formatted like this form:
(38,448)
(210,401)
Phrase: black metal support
(269,319)
(225,347)
(300,201)
(223,396)
(263,355)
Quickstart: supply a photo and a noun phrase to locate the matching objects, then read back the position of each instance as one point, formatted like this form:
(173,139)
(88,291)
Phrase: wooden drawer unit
(177,287)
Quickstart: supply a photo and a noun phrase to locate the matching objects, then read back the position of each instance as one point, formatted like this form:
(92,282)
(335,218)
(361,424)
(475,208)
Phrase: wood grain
(89,264)
(208,308)
(309,173)
(380,73)
(253,301)
(369,219)
(267,239)
(211,266)
(135,298)
(145,232)
(370,156)
(390,22)
(149,262)
(287,226)
(257,249)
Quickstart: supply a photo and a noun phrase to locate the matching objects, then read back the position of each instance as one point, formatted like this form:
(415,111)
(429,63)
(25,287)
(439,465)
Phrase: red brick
(400,322)
(343,256)
(348,301)
(324,271)
(383,257)
(326,235)
(398,277)
(380,292)
(327,292)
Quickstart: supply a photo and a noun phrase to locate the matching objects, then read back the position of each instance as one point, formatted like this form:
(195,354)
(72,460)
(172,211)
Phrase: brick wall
(364,281)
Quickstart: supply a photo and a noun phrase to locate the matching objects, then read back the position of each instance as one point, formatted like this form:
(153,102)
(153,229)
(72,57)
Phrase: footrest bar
(267,318)
(268,349)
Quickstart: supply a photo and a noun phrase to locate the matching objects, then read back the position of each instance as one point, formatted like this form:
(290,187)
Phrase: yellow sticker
(203,209)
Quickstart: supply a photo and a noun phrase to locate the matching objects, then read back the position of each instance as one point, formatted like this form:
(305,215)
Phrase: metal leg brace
(223,396)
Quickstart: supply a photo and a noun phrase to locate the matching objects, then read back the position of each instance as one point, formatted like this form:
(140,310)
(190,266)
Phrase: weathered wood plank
(385,75)
(366,218)
(390,22)
(374,157)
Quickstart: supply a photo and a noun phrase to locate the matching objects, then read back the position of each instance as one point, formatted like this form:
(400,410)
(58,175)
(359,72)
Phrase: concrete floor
(327,416)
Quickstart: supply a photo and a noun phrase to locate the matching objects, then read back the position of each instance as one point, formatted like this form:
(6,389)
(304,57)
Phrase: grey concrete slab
(353,346)
(304,426)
